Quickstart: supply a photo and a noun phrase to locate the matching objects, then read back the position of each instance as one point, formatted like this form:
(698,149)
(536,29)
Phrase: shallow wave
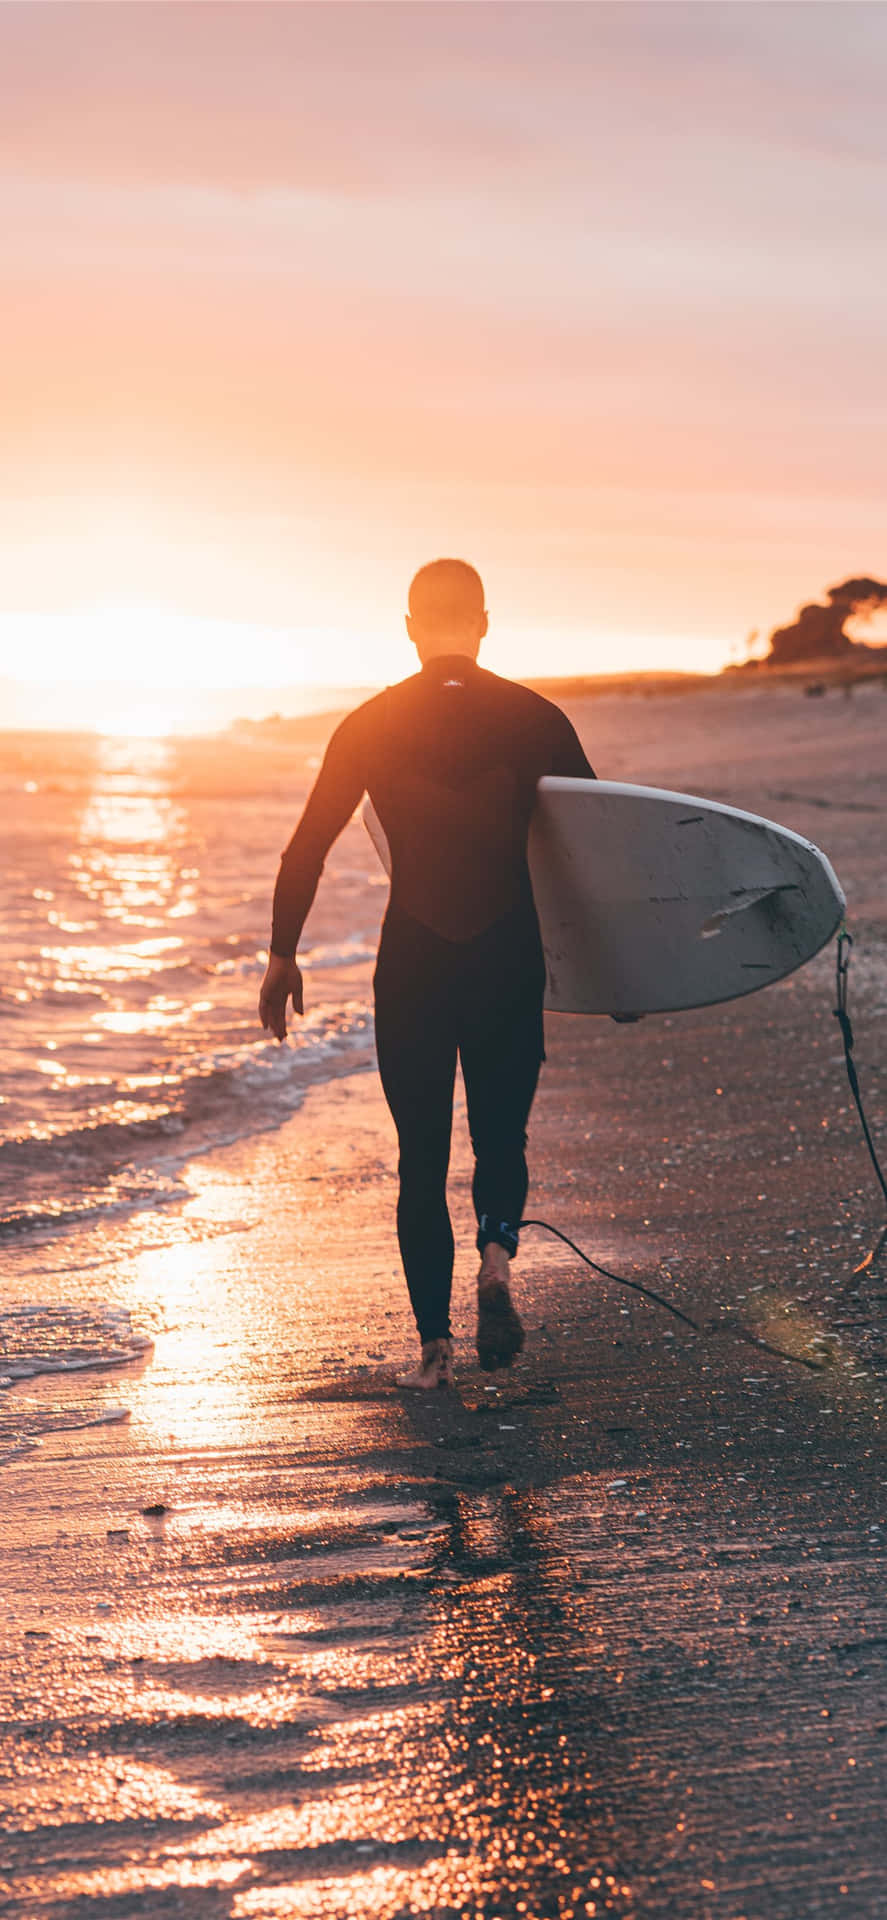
(350,953)
(40,1337)
(147,1187)
(127,1155)
(54,1338)
(23,1426)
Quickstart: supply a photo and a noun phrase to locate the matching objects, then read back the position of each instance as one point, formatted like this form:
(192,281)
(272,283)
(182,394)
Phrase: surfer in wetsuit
(450,759)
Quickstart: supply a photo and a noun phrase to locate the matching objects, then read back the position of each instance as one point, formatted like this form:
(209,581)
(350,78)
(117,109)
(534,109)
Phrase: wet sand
(606,1636)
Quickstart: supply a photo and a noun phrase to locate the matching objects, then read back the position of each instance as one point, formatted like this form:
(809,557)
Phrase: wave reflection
(130,832)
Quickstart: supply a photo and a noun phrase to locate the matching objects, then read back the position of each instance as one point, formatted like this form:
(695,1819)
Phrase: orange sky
(295,297)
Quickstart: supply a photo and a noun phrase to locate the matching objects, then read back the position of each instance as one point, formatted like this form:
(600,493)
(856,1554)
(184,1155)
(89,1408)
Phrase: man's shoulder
(382,702)
(523,701)
(361,721)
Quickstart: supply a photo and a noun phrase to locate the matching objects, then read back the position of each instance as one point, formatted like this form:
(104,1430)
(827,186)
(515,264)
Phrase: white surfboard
(651,902)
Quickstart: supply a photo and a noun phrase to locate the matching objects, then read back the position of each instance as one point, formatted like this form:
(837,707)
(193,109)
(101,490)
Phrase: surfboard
(654,902)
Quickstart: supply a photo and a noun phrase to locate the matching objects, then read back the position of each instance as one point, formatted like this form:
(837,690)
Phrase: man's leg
(416,1048)
(500,1064)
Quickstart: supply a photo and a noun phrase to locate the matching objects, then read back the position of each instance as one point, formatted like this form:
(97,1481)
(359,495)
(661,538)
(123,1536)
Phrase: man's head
(447,613)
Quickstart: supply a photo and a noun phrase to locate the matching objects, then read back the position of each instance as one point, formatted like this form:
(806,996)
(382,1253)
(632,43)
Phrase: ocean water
(136,900)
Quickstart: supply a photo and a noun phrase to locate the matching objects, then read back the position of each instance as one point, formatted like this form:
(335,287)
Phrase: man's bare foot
(495,1267)
(434,1370)
(500,1334)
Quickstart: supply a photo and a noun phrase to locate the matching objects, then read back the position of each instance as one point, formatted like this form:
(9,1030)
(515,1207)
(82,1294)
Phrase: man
(450,759)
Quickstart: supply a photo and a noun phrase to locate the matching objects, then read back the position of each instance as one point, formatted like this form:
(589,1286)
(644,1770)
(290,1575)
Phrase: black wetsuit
(450,759)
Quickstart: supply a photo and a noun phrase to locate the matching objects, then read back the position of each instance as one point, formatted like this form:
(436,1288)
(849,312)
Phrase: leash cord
(845,942)
(842,973)
(619,1278)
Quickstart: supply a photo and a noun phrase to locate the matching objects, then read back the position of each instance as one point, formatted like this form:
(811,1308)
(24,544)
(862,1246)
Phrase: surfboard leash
(842,977)
(845,943)
(619,1278)
(739,1332)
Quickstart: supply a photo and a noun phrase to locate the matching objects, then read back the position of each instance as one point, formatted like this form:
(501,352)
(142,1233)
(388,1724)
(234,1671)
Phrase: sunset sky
(296,297)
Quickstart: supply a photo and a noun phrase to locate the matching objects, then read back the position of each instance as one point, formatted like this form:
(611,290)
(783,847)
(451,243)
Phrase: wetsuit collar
(449,668)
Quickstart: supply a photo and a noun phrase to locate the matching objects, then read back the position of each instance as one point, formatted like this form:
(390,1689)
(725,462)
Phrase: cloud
(360,98)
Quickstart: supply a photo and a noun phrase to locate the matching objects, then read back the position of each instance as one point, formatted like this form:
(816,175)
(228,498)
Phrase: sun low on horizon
(296,299)
(150,671)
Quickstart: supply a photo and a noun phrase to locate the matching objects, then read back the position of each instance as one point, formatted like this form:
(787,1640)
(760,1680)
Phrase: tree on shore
(818,633)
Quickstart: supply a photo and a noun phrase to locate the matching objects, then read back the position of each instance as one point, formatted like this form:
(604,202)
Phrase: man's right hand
(282,980)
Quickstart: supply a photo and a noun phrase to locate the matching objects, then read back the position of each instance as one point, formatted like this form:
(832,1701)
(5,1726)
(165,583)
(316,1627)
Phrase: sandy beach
(605,1635)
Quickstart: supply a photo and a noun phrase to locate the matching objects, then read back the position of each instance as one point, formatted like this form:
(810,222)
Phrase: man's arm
(330,804)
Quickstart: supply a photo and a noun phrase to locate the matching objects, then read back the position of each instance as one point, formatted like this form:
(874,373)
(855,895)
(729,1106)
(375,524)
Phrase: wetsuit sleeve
(337,790)
(567,755)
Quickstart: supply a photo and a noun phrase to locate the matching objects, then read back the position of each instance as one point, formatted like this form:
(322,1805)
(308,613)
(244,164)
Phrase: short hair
(446,590)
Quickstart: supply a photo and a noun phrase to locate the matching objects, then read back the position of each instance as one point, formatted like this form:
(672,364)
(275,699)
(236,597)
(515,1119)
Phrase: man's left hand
(282,979)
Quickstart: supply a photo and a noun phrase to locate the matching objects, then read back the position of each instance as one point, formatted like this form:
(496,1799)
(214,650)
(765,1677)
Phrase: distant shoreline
(815,676)
(754,673)
(819,674)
